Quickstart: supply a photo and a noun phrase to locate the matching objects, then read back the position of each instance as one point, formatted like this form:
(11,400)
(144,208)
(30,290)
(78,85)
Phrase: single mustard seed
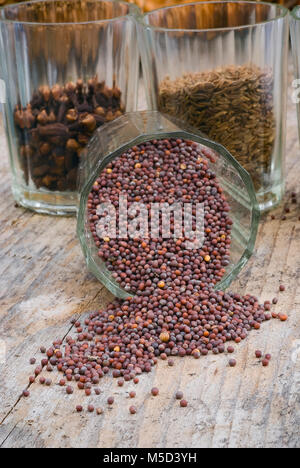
(230,349)
(232,363)
(110,400)
(170,362)
(79,408)
(275,300)
(155,391)
(88,391)
(132,410)
(62,382)
(183,403)
(179,395)
(120,382)
(132,394)
(31,379)
(258,354)
(90,408)
(37,370)
(97,391)
(32,360)
(69,390)
(265,362)
(283,317)
(99,410)
(48,382)
(42,349)
(42,380)
(136,380)
(25,393)
(281,288)
(164,337)
(268,357)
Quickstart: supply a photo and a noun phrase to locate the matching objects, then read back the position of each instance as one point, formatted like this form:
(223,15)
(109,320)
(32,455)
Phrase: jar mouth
(210,16)
(60,12)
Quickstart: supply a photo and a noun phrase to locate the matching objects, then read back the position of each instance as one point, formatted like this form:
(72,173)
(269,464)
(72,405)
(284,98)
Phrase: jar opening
(214,15)
(64,12)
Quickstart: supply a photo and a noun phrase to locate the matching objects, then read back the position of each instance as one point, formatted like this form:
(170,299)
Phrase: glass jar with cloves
(68,67)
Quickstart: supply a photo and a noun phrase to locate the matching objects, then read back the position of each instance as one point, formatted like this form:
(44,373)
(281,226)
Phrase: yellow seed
(164,336)
(223,236)
(117,349)
(161,284)
(207,258)
(111,317)
(182,166)
(137,165)
(108,170)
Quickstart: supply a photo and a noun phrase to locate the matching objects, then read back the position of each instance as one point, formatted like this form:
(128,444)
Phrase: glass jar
(113,139)
(222,68)
(68,67)
(295,37)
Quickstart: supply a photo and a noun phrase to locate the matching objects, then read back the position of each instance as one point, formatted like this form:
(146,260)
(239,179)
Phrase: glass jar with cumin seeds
(68,67)
(222,68)
(144,161)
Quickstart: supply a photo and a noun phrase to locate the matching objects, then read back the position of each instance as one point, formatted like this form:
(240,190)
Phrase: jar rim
(295,13)
(132,10)
(282,13)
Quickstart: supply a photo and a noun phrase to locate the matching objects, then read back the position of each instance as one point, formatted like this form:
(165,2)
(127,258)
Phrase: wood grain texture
(44,282)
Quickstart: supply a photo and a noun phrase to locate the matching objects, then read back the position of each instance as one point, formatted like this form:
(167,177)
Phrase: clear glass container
(222,68)
(113,139)
(68,67)
(295,37)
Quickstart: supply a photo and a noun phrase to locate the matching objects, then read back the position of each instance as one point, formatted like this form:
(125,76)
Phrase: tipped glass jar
(128,157)
(68,67)
(222,68)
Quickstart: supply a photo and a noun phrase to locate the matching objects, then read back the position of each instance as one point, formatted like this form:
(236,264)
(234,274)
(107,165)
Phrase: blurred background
(148,5)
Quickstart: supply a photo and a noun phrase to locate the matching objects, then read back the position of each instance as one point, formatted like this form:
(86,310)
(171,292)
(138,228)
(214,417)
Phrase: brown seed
(110,400)
(171,362)
(232,362)
(132,394)
(183,403)
(179,395)
(283,317)
(62,382)
(132,409)
(265,362)
(90,408)
(48,382)
(281,288)
(25,393)
(79,408)
(268,357)
(99,410)
(69,390)
(42,380)
(32,361)
(258,354)
(154,391)
(230,349)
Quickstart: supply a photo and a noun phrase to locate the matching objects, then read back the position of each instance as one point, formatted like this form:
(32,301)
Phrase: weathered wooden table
(44,282)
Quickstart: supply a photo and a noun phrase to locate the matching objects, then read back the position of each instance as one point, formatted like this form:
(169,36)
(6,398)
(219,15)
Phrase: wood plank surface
(44,282)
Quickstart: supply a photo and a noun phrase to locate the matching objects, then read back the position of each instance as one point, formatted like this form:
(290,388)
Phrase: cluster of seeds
(129,336)
(162,172)
(175,311)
